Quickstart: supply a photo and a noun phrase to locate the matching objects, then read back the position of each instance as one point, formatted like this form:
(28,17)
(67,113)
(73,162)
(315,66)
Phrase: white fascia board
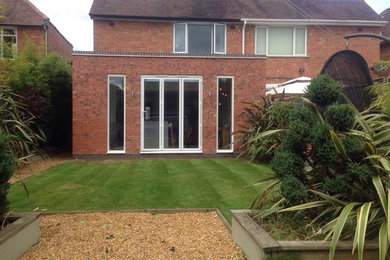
(313,22)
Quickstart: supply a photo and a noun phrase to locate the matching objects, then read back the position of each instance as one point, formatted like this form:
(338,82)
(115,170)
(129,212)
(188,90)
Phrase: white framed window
(199,38)
(225,114)
(8,42)
(281,41)
(116,113)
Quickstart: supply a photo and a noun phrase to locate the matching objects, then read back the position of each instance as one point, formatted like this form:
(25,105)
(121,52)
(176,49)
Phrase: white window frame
(185,38)
(217,101)
(213,38)
(161,149)
(108,114)
(2,37)
(294,43)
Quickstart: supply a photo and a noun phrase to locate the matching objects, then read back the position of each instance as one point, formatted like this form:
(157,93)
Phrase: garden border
(258,244)
(20,235)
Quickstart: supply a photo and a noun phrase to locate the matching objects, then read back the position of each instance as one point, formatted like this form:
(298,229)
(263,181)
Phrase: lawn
(141,184)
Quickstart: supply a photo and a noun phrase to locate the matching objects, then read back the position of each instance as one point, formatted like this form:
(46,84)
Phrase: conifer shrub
(323,90)
(340,117)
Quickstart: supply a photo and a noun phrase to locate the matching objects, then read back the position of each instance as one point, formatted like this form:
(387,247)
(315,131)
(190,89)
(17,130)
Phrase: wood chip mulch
(132,235)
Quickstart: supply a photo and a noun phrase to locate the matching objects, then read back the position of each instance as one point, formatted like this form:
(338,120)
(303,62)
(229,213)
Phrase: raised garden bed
(18,236)
(257,244)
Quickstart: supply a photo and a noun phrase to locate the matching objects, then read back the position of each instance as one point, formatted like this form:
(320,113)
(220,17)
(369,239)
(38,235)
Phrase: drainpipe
(45,27)
(243,37)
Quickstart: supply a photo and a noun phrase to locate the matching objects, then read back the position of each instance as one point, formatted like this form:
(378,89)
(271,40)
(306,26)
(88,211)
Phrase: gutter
(45,27)
(314,22)
(243,37)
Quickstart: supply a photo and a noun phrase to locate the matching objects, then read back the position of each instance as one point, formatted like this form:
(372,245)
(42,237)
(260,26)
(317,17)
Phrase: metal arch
(370,35)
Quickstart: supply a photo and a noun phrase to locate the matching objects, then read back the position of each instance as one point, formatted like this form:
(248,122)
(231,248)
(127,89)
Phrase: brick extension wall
(90,94)
(132,36)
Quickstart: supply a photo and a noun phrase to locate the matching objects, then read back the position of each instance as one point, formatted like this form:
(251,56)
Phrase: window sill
(288,56)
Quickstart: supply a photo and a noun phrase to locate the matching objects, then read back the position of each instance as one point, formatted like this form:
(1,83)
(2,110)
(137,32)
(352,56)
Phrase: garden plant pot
(19,236)
(258,244)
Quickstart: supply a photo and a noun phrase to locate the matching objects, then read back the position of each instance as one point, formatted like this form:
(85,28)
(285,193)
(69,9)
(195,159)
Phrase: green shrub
(44,85)
(340,117)
(354,148)
(7,166)
(258,140)
(292,190)
(286,163)
(334,185)
(323,151)
(297,136)
(323,90)
(279,112)
(301,113)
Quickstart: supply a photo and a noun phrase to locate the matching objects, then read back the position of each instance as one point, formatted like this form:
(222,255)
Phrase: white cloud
(71,19)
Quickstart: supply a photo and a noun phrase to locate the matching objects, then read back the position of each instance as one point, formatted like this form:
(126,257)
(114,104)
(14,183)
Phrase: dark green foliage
(323,150)
(7,165)
(297,137)
(323,90)
(301,113)
(292,190)
(334,185)
(257,141)
(44,85)
(354,148)
(279,112)
(360,172)
(286,163)
(340,117)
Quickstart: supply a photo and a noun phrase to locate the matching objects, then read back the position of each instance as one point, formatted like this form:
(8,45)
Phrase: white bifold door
(171,114)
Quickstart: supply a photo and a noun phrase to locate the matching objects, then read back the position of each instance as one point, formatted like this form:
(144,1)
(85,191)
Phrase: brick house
(170,76)
(20,19)
(385,46)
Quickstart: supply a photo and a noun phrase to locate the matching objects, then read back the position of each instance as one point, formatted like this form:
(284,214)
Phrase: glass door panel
(116,113)
(151,114)
(191,114)
(171,113)
(225,111)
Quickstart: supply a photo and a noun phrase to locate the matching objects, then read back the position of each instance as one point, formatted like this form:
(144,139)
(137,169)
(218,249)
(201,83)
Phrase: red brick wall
(57,43)
(385,51)
(133,36)
(90,94)
(35,34)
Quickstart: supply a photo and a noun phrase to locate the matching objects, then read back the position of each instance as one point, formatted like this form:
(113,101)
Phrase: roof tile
(234,9)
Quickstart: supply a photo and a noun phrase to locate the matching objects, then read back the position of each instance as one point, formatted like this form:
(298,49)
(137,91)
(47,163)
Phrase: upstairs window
(281,41)
(199,39)
(7,42)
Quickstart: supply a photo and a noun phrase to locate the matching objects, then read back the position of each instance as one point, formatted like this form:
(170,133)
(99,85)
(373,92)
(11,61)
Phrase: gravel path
(117,235)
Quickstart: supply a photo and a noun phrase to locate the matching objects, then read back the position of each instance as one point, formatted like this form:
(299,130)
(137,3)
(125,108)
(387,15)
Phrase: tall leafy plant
(262,134)
(333,166)
(7,165)
(19,125)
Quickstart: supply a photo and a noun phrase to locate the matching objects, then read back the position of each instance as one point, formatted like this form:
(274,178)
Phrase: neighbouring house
(21,20)
(385,46)
(169,76)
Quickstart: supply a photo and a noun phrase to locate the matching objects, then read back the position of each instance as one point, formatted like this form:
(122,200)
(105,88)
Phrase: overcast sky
(72,19)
